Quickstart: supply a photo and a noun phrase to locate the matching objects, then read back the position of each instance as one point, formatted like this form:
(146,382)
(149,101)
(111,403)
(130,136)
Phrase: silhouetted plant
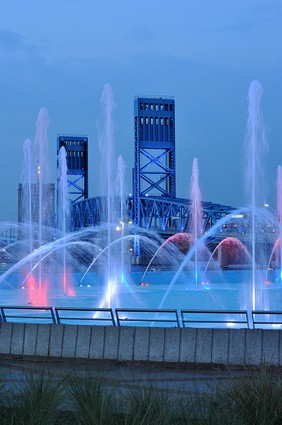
(256,398)
(150,406)
(34,401)
(41,399)
(93,403)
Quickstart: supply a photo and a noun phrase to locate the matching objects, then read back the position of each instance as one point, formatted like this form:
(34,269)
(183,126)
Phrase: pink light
(37,295)
(70,292)
(67,283)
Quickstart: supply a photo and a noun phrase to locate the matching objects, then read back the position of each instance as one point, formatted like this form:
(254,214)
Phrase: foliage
(42,399)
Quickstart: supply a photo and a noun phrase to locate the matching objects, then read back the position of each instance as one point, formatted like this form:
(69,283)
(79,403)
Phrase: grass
(148,406)
(93,403)
(256,399)
(41,399)
(35,400)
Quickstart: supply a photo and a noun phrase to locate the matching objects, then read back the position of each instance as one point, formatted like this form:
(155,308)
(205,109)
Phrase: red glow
(70,292)
(37,292)
(67,283)
(182,240)
(267,282)
(30,286)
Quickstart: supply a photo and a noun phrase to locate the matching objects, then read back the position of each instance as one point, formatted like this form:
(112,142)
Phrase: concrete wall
(139,344)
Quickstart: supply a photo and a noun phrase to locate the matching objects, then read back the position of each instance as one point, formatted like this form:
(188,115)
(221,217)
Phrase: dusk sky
(59,54)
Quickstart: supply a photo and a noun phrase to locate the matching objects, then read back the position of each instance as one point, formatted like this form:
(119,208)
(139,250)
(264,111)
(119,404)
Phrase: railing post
(53,315)
(57,316)
(3,314)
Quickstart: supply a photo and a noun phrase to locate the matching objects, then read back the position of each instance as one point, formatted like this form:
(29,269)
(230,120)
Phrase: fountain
(279,217)
(26,189)
(256,146)
(93,268)
(114,241)
(63,210)
(196,211)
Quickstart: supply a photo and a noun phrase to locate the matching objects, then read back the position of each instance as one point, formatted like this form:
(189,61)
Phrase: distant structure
(152,203)
(28,203)
(77,165)
(154,162)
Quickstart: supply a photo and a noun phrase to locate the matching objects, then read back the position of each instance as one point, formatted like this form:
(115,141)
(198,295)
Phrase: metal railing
(147,316)
(266,319)
(216,318)
(32,314)
(91,316)
(185,318)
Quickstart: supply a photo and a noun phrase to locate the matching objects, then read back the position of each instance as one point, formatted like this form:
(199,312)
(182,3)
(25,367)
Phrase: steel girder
(166,216)
(86,213)
(154,166)
(77,165)
(174,215)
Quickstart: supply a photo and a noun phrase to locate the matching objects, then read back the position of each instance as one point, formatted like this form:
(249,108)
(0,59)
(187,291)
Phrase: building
(28,196)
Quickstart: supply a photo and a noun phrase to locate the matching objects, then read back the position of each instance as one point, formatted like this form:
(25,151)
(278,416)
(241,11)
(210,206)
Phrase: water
(255,147)
(41,156)
(96,262)
(196,211)
(35,203)
(63,208)
(111,269)
(220,291)
(279,218)
(26,189)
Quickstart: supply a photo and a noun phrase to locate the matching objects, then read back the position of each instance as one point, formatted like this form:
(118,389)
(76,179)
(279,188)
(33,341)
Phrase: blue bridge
(166,216)
(153,204)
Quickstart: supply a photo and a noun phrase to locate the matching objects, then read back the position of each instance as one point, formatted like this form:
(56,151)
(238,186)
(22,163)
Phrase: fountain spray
(279,213)
(255,146)
(196,210)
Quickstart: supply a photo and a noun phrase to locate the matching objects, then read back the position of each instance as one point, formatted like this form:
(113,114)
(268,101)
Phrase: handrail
(151,319)
(266,321)
(100,318)
(156,317)
(31,317)
(241,319)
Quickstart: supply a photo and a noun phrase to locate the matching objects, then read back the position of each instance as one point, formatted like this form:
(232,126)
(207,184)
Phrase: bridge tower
(77,165)
(154,165)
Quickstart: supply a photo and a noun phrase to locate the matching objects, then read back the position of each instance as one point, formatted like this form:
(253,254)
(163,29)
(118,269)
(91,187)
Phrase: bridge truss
(163,215)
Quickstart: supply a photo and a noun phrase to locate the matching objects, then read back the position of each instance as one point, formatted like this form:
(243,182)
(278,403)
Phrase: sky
(59,54)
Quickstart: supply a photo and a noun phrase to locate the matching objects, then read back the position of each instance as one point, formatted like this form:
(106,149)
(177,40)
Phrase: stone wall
(142,344)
